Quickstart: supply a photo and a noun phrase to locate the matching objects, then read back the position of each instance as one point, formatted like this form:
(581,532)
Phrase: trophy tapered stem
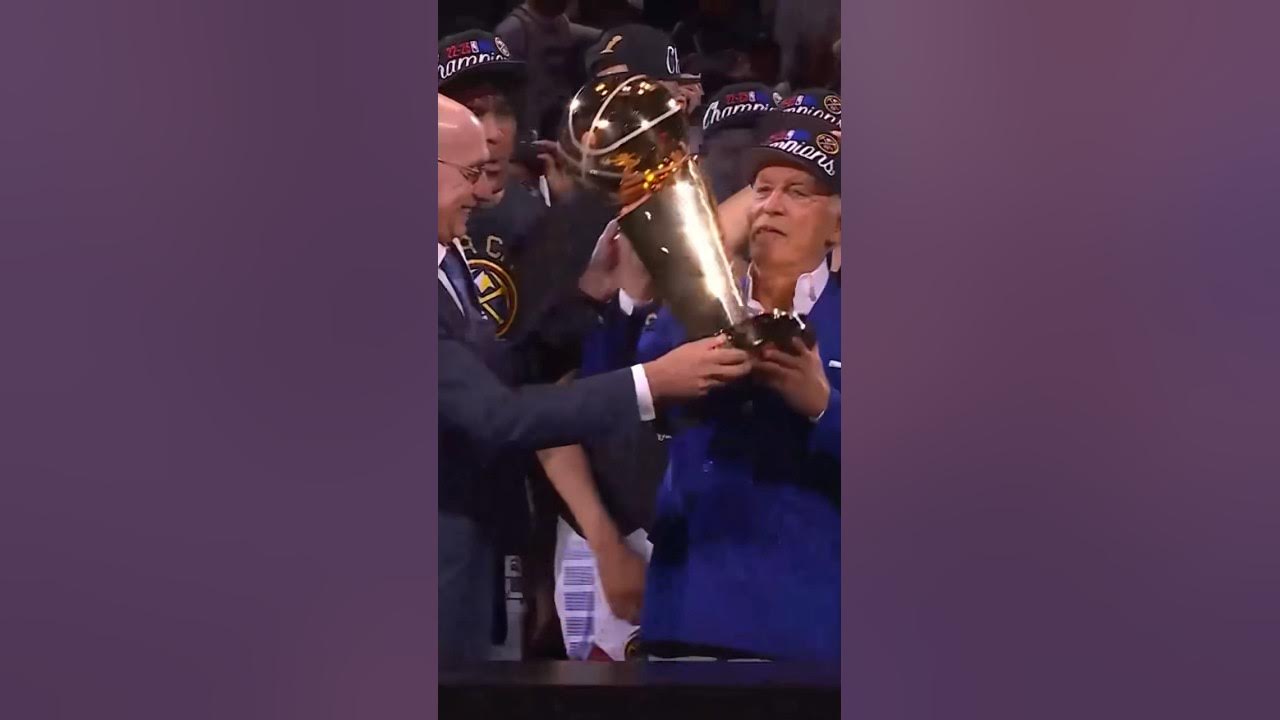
(676,234)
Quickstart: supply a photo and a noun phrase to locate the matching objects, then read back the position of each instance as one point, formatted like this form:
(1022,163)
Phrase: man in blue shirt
(747,529)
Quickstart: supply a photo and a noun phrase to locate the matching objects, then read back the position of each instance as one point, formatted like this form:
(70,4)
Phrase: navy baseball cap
(738,106)
(643,49)
(804,142)
(474,54)
(814,102)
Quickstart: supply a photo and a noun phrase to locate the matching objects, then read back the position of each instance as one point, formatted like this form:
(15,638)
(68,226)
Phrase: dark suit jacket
(484,420)
(487,428)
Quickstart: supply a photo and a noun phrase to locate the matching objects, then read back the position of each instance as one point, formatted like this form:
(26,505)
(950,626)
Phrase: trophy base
(777,328)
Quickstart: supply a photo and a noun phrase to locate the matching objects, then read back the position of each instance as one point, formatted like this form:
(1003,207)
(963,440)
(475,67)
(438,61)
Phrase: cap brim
(754,158)
(510,70)
(748,120)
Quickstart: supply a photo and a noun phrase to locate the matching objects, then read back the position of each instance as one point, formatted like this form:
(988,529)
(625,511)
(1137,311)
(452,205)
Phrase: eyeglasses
(470,174)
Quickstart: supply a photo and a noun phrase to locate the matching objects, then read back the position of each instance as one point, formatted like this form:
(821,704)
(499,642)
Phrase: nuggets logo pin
(832,104)
(502,46)
(496,292)
(828,144)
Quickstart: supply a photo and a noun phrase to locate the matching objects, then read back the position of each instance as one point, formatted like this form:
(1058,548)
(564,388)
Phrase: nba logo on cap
(784,135)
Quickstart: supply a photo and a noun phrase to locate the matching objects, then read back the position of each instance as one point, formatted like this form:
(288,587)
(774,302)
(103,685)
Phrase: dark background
(659,13)
(216,384)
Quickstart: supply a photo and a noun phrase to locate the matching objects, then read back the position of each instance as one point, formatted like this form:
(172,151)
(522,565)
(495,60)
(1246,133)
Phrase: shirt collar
(809,287)
(441,250)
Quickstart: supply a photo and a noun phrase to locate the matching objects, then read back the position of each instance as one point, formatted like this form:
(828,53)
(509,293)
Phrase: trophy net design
(626,135)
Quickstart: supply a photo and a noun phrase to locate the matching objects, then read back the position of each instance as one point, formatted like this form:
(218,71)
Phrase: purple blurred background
(217,406)
(1062,459)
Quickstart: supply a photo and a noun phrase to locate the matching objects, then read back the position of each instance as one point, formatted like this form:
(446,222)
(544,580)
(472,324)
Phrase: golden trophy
(626,135)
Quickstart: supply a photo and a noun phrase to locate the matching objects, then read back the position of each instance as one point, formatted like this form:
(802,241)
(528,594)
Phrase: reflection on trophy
(626,135)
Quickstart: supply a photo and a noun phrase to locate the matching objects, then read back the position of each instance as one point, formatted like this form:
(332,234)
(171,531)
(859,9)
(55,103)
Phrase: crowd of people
(663,496)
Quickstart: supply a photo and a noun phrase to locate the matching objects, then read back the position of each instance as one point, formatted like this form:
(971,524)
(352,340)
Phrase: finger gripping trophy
(626,135)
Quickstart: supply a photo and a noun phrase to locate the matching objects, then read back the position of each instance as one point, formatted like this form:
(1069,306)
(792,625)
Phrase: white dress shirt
(644,398)
(809,287)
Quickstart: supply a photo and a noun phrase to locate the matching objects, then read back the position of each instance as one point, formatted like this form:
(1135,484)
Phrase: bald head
(458,132)
(462,153)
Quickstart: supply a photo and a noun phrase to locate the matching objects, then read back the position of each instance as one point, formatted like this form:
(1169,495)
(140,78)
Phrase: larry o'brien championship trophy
(626,135)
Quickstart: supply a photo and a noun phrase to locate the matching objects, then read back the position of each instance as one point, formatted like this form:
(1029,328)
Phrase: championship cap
(814,102)
(473,54)
(643,49)
(804,142)
(737,106)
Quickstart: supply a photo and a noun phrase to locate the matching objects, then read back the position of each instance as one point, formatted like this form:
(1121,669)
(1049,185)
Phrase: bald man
(483,419)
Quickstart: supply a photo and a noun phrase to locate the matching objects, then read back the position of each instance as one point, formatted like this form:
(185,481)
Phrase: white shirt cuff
(644,398)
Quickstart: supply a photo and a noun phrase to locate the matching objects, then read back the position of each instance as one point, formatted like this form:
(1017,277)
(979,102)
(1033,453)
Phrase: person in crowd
(709,27)
(458,15)
(715,36)
(540,33)
(734,211)
(605,13)
(477,69)
(815,102)
(603,517)
(602,545)
(764,60)
(805,31)
(482,417)
(730,124)
(514,227)
(746,538)
(644,50)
